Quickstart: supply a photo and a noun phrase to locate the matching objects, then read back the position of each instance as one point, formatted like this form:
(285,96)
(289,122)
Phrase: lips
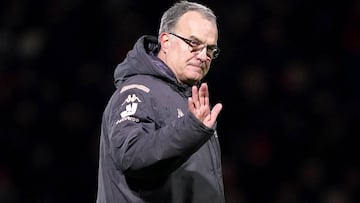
(198,66)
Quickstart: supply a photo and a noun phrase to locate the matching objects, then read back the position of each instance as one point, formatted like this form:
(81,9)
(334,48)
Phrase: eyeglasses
(212,51)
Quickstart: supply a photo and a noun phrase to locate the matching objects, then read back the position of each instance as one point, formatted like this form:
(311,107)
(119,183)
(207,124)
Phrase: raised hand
(199,105)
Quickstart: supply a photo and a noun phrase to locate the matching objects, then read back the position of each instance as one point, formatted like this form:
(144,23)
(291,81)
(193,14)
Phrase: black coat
(152,149)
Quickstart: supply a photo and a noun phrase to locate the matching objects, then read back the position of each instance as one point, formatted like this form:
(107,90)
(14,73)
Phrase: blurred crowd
(287,76)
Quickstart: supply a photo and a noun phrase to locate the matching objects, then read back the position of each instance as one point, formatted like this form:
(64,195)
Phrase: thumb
(216,110)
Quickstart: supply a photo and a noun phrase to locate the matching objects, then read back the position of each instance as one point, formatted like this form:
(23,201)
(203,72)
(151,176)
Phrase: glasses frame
(211,51)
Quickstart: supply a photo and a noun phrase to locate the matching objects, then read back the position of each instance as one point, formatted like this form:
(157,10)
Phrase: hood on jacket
(142,60)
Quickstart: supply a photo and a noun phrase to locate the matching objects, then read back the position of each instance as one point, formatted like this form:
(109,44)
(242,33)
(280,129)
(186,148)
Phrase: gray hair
(172,15)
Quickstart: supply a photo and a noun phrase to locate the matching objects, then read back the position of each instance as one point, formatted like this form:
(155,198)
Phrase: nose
(201,54)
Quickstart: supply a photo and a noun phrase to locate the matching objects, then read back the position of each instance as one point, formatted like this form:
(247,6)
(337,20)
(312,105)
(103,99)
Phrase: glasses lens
(214,53)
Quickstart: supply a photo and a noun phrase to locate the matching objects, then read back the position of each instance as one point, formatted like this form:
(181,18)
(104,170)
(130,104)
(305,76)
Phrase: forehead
(194,24)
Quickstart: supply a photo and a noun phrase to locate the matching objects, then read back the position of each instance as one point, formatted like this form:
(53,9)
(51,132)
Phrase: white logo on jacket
(180,113)
(130,109)
(131,98)
(131,103)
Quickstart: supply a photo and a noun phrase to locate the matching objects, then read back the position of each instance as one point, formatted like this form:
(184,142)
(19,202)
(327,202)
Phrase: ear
(164,41)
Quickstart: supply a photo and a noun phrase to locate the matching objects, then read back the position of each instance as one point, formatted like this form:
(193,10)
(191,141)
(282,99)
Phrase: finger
(191,105)
(204,94)
(195,96)
(207,97)
(216,111)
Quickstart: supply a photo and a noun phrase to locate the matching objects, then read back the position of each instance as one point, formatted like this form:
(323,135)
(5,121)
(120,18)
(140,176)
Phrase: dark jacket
(152,149)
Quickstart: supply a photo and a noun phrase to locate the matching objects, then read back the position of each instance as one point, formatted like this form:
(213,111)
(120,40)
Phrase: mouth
(197,68)
(200,66)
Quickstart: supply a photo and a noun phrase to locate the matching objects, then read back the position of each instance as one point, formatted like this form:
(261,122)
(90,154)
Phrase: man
(158,138)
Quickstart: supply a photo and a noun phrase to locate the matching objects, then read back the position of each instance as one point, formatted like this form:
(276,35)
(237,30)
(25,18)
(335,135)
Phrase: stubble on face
(192,68)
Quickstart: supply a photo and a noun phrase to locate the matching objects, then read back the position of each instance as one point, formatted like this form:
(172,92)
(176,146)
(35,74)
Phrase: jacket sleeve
(140,145)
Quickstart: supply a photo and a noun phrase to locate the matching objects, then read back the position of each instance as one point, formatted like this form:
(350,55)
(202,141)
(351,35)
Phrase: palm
(199,105)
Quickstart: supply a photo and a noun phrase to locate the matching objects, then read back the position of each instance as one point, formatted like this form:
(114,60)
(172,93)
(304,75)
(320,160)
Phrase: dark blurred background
(287,76)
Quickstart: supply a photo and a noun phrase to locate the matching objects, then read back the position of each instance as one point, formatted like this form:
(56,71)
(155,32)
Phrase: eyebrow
(207,45)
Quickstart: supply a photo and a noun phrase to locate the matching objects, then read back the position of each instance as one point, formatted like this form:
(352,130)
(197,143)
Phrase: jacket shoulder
(145,83)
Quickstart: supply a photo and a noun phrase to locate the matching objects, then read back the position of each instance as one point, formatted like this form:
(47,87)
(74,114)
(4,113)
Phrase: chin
(194,78)
(192,81)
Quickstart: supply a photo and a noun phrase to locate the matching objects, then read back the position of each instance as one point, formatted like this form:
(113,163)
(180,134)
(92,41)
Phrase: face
(189,65)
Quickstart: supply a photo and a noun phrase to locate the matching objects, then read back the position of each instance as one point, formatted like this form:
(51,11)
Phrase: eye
(195,43)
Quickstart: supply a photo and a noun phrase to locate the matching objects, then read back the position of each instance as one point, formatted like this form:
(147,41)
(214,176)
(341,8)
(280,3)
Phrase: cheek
(180,56)
(206,68)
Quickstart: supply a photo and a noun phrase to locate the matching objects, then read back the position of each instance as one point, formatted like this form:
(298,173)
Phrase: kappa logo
(180,113)
(131,98)
(131,105)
